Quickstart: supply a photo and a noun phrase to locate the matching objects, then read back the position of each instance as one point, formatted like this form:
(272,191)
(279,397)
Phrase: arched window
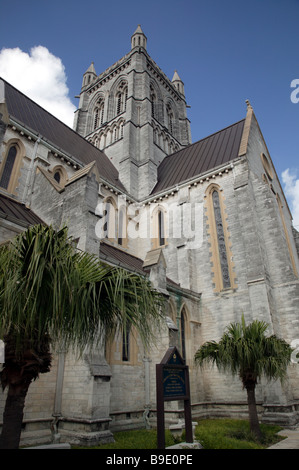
(115,133)
(57,176)
(60,175)
(169,118)
(121,130)
(8,167)
(119,103)
(121,97)
(161,228)
(222,251)
(183,334)
(126,343)
(109,226)
(220,247)
(153,99)
(96,119)
(102,141)
(98,114)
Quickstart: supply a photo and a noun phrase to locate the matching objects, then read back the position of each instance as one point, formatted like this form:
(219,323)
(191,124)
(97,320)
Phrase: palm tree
(53,294)
(245,350)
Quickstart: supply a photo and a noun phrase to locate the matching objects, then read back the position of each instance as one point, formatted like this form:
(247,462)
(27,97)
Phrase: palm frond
(47,287)
(245,350)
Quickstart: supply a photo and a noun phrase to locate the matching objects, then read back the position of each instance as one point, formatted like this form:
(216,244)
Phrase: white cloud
(41,76)
(291,189)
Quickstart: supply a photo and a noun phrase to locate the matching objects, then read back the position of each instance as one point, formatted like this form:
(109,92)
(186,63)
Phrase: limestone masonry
(208,222)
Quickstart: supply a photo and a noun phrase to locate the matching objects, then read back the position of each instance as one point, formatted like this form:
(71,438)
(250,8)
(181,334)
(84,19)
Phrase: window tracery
(121,97)
(220,247)
(98,114)
(221,240)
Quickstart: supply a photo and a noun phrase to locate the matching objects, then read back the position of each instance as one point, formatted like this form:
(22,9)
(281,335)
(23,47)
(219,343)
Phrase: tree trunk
(253,417)
(19,371)
(13,415)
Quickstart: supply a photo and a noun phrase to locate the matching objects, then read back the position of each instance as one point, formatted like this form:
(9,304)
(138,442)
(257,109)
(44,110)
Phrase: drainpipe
(58,397)
(147,406)
(30,171)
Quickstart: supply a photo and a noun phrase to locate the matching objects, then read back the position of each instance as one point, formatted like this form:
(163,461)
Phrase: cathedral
(207,222)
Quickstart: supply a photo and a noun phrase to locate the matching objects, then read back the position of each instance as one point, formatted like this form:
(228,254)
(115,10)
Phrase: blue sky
(224,51)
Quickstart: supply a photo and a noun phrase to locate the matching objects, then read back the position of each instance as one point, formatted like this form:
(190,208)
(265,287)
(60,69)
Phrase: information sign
(172,381)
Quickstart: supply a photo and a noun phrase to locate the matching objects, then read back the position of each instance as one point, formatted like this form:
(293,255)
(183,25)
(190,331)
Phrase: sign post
(172,382)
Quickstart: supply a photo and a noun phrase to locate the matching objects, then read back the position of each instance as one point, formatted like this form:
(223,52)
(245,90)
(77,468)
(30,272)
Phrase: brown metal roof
(122,258)
(127,261)
(35,118)
(17,212)
(200,157)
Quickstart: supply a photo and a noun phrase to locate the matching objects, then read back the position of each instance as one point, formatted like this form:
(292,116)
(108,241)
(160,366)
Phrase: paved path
(291,442)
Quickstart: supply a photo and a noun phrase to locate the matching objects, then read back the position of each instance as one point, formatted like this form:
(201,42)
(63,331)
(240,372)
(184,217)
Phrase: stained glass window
(221,241)
(126,344)
(161,228)
(8,167)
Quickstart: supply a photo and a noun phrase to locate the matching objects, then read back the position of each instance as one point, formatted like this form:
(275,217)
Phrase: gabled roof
(118,257)
(17,212)
(50,178)
(28,113)
(121,258)
(200,157)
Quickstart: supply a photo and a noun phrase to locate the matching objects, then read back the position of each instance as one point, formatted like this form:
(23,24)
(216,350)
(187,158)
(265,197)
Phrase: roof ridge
(199,157)
(50,178)
(54,117)
(67,141)
(121,250)
(204,138)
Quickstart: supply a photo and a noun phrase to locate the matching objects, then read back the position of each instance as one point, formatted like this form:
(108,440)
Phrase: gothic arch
(156,100)
(172,310)
(184,331)
(115,222)
(118,97)
(110,222)
(111,134)
(159,225)
(10,167)
(96,112)
(60,175)
(171,117)
(220,250)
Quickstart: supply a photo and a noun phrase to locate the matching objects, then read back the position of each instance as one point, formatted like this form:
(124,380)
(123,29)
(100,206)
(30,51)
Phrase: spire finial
(139,38)
(178,82)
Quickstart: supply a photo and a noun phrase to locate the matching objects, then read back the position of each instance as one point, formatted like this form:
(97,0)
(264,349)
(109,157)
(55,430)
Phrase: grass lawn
(233,434)
(211,433)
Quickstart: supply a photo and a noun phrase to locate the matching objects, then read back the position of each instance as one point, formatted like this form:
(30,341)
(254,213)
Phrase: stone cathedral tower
(135,114)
